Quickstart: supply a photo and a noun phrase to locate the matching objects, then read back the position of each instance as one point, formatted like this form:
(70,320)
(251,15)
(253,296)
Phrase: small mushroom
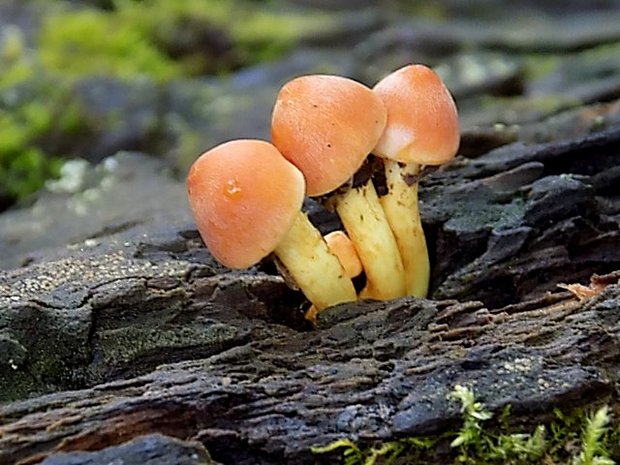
(422,129)
(246,199)
(342,247)
(326,126)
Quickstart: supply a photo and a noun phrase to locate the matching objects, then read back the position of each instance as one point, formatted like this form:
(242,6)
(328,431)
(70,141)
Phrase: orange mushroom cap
(422,125)
(244,197)
(326,126)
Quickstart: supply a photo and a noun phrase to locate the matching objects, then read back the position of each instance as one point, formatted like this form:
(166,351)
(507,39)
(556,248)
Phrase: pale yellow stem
(314,269)
(368,228)
(401,209)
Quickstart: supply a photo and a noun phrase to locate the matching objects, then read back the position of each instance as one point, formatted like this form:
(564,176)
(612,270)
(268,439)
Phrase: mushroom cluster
(246,195)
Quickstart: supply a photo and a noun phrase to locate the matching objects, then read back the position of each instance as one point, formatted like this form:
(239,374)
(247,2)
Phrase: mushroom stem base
(314,269)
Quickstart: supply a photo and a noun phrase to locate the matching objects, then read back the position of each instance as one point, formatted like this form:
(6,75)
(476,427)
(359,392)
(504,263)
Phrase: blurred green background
(50,49)
(170,78)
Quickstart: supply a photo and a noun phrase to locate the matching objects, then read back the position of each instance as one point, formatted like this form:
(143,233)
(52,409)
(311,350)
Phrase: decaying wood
(143,335)
(372,371)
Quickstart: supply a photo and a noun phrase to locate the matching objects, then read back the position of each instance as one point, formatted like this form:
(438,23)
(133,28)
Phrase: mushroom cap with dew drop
(326,126)
(244,197)
(422,125)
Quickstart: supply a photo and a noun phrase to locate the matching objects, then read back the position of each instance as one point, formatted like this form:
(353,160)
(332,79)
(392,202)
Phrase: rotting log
(504,227)
(146,335)
(372,371)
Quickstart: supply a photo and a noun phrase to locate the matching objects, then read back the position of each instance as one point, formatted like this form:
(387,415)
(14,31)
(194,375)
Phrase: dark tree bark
(372,371)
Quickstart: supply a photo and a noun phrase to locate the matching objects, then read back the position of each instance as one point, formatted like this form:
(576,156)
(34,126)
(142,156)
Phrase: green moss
(256,32)
(265,36)
(94,42)
(23,166)
(163,39)
(158,40)
(26,172)
(15,62)
(35,118)
(577,438)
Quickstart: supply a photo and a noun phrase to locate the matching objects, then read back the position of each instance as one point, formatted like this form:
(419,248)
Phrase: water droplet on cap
(232,188)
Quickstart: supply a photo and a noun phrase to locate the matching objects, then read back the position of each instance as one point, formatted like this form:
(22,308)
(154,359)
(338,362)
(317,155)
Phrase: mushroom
(326,126)
(246,199)
(342,247)
(422,129)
